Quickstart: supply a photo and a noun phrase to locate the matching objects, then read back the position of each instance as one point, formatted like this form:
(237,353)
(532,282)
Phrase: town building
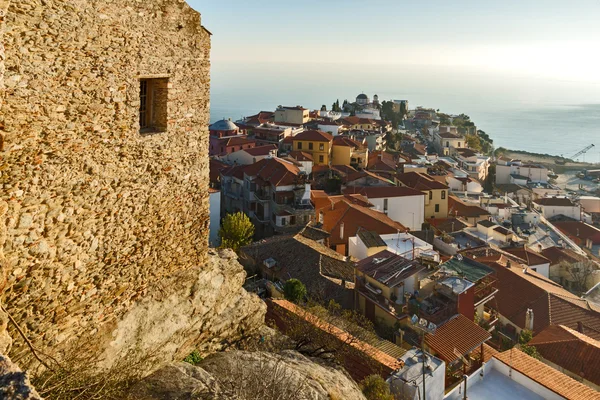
(226,137)
(513,374)
(344,218)
(366,243)
(346,151)
(291,115)
(250,155)
(407,381)
(552,206)
(316,143)
(266,134)
(436,193)
(362,99)
(447,143)
(516,172)
(273,192)
(400,203)
(214,199)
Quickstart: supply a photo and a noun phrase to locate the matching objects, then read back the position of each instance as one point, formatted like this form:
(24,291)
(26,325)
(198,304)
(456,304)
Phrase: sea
(521,112)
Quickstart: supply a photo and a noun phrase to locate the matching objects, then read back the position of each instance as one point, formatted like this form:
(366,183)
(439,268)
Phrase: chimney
(529,319)
(580,327)
(507,263)
(342,230)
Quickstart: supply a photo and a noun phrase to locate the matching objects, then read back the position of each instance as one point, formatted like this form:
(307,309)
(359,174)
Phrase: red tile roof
(547,376)
(361,174)
(579,230)
(418,180)
(520,289)
(354,217)
(237,140)
(215,168)
(459,333)
(570,350)
(301,156)
(530,257)
(275,171)
(347,142)
(554,201)
(557,254)
(315,136)
(460,209)
(261,150)
(382,161)
(378,192)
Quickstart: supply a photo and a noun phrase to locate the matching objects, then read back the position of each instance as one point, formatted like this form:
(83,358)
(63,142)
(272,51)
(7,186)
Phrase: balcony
(373,293)
(485,290)
(262,195)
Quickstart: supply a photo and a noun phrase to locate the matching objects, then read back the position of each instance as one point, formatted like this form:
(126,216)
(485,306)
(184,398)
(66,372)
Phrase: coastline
(548,160)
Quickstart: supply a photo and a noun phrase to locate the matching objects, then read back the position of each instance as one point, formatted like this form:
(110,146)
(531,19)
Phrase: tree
(236,231)
(473,142)
(294,290)
(579,273)
(375,388)
(531,351)
(525,336)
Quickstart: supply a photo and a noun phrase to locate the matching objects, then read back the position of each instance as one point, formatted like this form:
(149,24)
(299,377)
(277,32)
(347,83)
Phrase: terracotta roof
(366,349)
(448,135)
(355,217)
(361,174)
(579,230)
(313,231)
(382,161)
(315,136)
(420,181)
(448,225)
(529,256)
(547,376)
(301,156)
(215,168)
(555,201)
(236,171)
(520,289)
(557,254)
(378,192)
(458,208)
(347,142)
(388,268)
(459,333)
(570,350)
(275,171)
(237,140)
(261,150)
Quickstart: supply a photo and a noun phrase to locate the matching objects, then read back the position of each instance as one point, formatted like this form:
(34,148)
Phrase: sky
(543,38)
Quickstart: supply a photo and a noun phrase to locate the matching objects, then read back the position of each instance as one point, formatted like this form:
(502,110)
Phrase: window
(385,205)
(430,195)
(437,208)
(443,194)
(321,159)
(458,144)
(310,146)
(153,105)
(447,144)
(299,145)
(321,147)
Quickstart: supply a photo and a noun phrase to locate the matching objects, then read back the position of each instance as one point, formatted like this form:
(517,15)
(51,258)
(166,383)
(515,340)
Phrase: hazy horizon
(526,72)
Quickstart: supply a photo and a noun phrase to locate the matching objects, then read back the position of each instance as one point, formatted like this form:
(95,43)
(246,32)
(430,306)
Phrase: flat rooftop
(496,386)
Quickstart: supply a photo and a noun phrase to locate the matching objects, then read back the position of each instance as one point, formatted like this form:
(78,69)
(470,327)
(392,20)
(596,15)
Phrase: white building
(407,382)
(519,172)
(403,244)
(250,156)
(329,127)
(402,204)
(552,206)
(215,217)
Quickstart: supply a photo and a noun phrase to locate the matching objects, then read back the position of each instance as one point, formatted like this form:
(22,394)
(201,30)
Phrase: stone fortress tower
(104,183)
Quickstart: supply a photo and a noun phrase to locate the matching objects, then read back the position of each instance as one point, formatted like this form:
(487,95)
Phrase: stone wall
(100,218)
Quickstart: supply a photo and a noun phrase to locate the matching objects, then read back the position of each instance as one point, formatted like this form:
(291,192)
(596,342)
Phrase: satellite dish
(423,323)
(432,327)
(459,257)
(414,320)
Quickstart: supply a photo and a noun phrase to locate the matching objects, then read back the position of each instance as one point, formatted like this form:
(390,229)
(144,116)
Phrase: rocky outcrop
(206,309)
(14,384)
(249,375)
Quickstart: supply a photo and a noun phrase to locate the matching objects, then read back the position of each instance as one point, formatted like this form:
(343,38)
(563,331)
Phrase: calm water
(519,112)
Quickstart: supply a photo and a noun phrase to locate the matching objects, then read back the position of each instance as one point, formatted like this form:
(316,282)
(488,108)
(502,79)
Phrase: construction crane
(563,161)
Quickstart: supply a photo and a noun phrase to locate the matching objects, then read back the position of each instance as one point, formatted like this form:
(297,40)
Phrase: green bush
(375,388)
(294,290)
(236,231)
(193,358)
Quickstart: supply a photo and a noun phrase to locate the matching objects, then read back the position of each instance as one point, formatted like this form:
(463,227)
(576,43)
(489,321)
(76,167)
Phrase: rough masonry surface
(97,219)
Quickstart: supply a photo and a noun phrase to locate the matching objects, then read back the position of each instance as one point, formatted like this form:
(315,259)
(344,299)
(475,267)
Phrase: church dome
(362,96)
(223,125)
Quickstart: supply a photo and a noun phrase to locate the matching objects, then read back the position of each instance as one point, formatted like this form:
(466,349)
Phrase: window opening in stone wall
(153,105)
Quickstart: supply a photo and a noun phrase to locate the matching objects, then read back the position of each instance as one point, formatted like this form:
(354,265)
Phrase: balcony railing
(262,195)
(485,290)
